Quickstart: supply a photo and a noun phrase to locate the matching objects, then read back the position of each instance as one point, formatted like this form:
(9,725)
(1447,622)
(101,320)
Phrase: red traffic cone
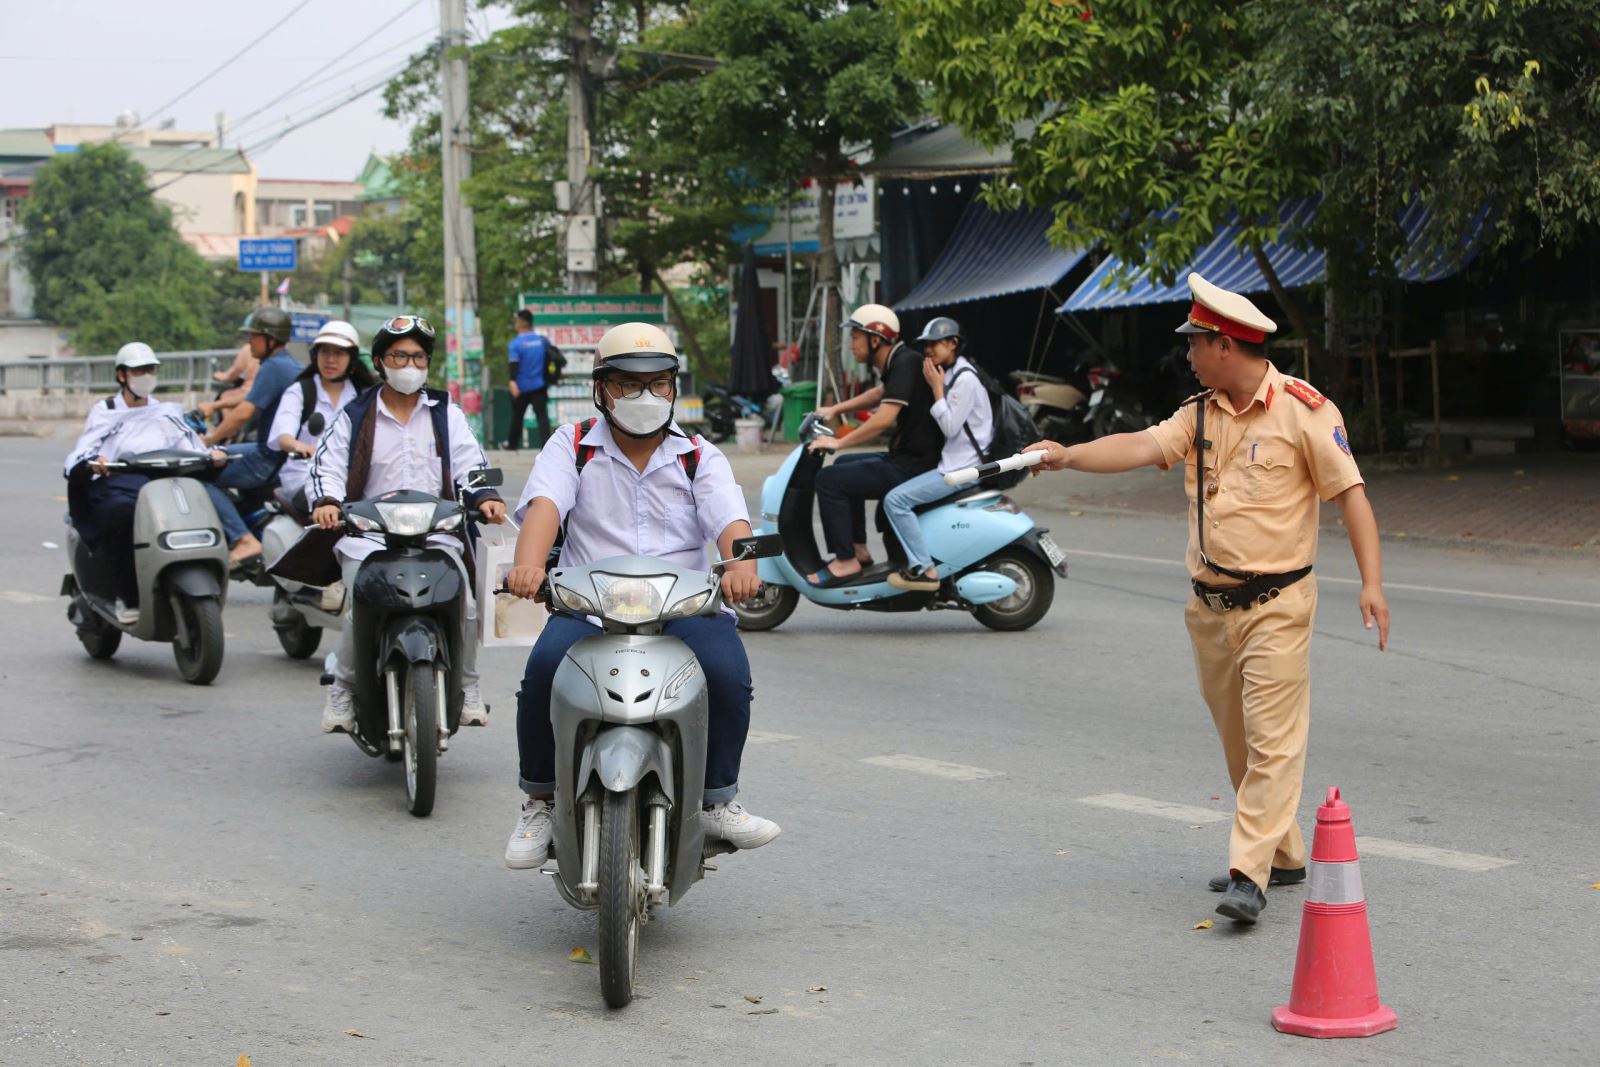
(1335,990)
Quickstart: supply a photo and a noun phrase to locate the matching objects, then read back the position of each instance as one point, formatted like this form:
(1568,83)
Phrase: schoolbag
(555,365)
(1013,427)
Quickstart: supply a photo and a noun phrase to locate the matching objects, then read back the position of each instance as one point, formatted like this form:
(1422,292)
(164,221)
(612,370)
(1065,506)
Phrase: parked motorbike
(1059,408)
(993,561)
(408,607)
(630,713)
(181,561)
(1120,405)
(724,407)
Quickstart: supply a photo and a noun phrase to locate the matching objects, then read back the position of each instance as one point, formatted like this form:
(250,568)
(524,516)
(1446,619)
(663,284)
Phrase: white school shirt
(965,405)
(292,475)
(617,511)
(403,457)
(120,431)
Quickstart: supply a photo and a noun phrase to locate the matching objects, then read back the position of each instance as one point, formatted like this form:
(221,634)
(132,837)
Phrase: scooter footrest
(325,679)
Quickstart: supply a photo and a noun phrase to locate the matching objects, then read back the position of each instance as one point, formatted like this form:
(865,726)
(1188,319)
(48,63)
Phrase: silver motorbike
(181,561)
(629,711)
(300,611)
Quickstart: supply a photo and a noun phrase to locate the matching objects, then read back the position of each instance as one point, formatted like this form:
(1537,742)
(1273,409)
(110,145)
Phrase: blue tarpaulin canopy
(1223,263)
(993,253)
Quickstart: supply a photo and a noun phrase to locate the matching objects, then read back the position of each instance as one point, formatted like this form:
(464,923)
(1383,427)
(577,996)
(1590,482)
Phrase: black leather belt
(1253,593)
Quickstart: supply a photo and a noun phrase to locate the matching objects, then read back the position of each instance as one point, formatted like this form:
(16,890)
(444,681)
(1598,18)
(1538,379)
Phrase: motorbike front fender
(192,579)
(623,756)
(414,640)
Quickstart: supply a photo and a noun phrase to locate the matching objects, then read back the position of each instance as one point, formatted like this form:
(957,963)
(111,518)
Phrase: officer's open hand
(524,581)
(326,516)
(493,511)
(1055,458)
(740,585)
(1375,609)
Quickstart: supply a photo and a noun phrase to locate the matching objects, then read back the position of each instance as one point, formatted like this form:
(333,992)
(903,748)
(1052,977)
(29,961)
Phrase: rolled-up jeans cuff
(536,789)
(720,795)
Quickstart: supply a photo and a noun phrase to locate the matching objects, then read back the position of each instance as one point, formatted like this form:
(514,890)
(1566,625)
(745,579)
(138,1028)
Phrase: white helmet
(136,354)
(635,346)
(338,332)
(876,320)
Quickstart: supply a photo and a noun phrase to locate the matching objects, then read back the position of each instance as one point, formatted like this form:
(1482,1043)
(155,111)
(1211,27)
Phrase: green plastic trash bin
(500,422)
(799,400)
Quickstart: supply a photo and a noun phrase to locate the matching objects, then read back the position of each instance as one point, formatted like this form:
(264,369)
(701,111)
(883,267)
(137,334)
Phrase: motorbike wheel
(621,897)
(200,657)
(1110,419)
(775,604)
(1036,589)
(419,716)
(99,638)
(299,639)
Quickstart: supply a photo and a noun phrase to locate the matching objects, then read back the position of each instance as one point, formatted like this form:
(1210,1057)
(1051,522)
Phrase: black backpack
(555,365)
(1013,427)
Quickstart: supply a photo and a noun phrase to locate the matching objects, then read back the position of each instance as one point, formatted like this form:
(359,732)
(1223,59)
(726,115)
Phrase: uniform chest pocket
(1269,474)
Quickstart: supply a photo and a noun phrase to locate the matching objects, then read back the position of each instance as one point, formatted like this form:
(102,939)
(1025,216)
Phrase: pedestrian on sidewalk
(1260,450)
(526,359)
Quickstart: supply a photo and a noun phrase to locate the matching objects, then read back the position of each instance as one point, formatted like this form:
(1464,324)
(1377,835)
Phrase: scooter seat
(964,494)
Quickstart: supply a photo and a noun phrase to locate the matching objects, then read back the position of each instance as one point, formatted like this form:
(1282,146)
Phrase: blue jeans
(254,467)
(714,642)
(843,489)
(923,489)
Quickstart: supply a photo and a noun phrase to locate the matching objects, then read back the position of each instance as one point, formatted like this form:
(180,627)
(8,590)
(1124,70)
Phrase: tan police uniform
(1265,471)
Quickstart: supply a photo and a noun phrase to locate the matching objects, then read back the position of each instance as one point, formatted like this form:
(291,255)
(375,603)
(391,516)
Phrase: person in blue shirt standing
(256,464)
(526,358)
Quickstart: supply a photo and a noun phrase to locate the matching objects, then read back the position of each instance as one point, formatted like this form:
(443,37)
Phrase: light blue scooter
(993,561)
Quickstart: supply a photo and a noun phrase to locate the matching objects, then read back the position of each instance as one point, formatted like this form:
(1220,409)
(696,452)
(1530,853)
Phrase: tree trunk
(690,339)
(828,277)
(1316,351)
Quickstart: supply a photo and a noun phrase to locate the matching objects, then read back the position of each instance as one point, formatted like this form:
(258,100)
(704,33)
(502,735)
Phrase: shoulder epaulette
(1304,393)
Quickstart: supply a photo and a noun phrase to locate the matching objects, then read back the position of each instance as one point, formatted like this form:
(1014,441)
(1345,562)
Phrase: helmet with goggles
(413,326)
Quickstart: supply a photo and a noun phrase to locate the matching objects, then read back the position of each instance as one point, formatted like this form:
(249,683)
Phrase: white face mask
(142,385)
(406,380)
(643,415)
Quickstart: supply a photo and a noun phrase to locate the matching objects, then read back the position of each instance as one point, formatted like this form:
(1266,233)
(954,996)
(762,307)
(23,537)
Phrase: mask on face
(406,380)
(142,385)
(643,416)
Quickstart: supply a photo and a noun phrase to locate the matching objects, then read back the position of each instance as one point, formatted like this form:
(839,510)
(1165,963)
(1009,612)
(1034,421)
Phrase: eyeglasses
(633,388)
(400,359)
(407,323)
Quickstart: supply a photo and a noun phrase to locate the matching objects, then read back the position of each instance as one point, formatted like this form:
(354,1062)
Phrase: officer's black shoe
(1243,901)
(1279,876)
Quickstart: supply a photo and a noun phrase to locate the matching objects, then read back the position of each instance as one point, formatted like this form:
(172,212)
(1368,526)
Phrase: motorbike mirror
(763,546)
(316,424)
(485,477)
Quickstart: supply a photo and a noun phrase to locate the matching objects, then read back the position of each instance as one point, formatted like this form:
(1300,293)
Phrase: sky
(90,60)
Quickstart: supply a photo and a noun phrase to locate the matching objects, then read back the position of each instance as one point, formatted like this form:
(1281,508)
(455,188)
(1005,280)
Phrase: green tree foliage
(106,260)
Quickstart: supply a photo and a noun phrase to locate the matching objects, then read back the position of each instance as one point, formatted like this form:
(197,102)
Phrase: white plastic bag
(504,621)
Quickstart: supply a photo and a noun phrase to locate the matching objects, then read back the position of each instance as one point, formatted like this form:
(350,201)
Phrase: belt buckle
(1215,602)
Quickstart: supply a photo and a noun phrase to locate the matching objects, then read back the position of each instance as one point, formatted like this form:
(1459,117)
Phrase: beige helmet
(876,320)
(635,346)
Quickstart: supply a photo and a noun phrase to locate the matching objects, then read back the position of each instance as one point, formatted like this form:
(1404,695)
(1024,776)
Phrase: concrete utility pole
(583,196)
(460,234)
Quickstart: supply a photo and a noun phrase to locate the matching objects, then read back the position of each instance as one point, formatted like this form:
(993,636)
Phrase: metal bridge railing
(179,372)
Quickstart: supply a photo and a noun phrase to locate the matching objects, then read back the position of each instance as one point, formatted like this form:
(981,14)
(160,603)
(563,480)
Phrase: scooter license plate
(1052,552)
(1094,397)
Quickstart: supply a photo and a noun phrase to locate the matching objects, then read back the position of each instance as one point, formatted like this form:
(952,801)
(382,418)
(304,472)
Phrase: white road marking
(1446,590)
(938,768)
(1161,808)
(13,596)
(762,737)
(1437,857)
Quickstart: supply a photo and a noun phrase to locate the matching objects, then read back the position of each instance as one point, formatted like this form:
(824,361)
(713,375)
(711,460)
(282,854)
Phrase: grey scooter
(181,561)
(629,712)
(300,612)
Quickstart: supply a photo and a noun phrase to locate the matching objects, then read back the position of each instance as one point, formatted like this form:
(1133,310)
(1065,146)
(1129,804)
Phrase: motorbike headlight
(632,601)
(448,523)
(362,523)
(690,605)
(184,540)
(407,520)
(571,600)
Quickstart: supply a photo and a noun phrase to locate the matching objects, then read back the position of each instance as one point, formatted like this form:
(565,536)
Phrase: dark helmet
(271,321)
(402,326)
(941,329)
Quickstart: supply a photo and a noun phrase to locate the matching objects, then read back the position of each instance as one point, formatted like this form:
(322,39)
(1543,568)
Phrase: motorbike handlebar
(968,475)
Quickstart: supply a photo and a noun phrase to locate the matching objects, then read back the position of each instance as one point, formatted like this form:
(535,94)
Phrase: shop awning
(1222,262)
(993,253)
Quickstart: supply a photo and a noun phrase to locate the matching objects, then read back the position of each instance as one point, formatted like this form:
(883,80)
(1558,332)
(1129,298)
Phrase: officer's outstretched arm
(1108,455)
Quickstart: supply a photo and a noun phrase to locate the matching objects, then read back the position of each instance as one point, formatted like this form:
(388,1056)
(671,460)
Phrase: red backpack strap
(691,460)
(582,453)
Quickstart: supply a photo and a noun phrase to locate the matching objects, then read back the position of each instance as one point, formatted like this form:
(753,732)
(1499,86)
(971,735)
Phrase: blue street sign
(305,325)
(270,253)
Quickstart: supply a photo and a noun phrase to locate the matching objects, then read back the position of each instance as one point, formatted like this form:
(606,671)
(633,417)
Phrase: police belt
(1255,592)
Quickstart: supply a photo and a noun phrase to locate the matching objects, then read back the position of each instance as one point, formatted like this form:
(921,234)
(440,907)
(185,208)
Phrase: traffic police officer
(1260,451)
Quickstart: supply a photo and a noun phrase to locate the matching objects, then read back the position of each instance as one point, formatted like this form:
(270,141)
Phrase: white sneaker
(473,713)
(126,616)
(738,827)
(338,713)
(332,597)
(530,841)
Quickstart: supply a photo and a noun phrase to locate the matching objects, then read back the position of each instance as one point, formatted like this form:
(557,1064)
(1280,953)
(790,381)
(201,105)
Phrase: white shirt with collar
(292,475)
(964,406)
(120,430)
(404,456)
(615,510)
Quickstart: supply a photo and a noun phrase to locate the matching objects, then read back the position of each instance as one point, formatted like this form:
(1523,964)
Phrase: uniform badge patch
(1341,440)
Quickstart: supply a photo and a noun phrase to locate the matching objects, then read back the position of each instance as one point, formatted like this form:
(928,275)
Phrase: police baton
(967,475)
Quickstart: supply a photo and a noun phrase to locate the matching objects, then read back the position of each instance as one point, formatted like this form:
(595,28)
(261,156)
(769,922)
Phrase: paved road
(188,875)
